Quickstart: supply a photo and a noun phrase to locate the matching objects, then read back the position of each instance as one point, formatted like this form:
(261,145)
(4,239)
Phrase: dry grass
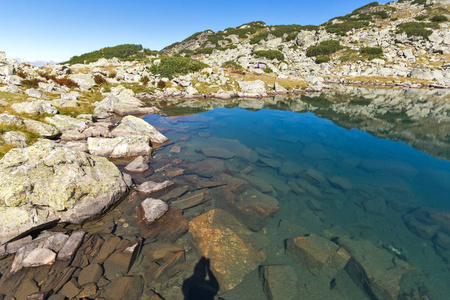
(270,80)
(391,79)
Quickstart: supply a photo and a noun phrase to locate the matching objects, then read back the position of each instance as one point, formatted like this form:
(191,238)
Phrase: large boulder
(253,87)
(48,183)
(124,146)
(84,81)
(122,102)
(131,125)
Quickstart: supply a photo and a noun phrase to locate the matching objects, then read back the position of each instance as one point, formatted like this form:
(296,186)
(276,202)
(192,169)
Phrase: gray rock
(41,128)
(123,146)
(140,164)
(61,70)
(71,245)
(35,93)
(152,209)
(278,88)
(65,123)
(11,88)
(15,138)
(34,107)
(421,73)
(149,187)
(39,257)
(10,120)
(64,102)
(84,81)
(253,87)
(47,182)
(128,179)
(122,103)
(131,125)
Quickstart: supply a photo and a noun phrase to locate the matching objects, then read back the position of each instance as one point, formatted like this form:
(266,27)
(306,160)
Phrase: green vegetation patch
(120,51)
(232,65)
(439,19)
(371,51)
(269,54)
(344,27)
(171,66)
(322,59)
(324,48)
(414,29)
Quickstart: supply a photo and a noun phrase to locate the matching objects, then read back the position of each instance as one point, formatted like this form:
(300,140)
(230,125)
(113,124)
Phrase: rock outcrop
(47,183)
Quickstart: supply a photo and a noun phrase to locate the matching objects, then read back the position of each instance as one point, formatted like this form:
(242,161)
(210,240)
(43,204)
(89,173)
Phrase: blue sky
(56,30)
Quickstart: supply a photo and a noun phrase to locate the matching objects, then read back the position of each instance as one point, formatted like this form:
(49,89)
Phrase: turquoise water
(389,196)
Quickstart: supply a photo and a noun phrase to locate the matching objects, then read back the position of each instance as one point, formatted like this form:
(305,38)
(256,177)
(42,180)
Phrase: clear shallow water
(393,191)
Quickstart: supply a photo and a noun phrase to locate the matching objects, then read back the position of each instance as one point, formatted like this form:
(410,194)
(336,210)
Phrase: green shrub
(344,27)
(421,17)
(372,4)
(268,70)
(203,51)
(371,51)
(382,14)
(171,66)
(322,59)
(291,36)
(120,51)
(269,54)
(324,48)
(439,19)
(232,65)
(414,29)
(259,37)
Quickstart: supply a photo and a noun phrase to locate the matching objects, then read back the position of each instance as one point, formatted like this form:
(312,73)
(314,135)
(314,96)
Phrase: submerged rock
(47,182)
(139,165)
(226,243)
(279,282)
(149,187)
(318,255)
(374,270)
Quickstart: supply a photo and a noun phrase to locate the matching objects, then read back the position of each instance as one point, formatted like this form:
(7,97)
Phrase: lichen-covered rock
(7,119)
(34,107)
(84,81)
(15,138)
(124,146)
(47,182)
(41,128)
(131,125)
(64,123)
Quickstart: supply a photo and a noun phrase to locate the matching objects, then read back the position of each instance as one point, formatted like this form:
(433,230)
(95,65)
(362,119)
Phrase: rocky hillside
(403,41)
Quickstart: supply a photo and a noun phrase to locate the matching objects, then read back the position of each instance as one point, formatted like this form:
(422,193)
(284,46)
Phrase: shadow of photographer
(202,285)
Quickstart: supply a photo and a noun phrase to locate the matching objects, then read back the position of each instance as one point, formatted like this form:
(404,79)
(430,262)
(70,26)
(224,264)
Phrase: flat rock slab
(217,152)
(90,274)
(319,256)
(139,165)
(226,243)
(39,257)
(374,269)
(149,187)
(71,246)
